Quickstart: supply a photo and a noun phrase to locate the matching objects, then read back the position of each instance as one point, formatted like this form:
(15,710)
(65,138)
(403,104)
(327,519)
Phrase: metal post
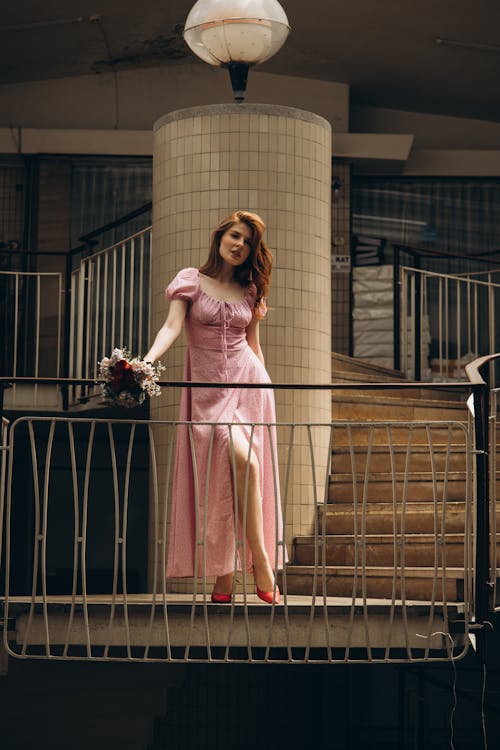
(481,428)
(417,352)
(397,291)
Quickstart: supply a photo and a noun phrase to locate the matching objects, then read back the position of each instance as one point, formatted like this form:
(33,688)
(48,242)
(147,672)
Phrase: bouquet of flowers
(128,380)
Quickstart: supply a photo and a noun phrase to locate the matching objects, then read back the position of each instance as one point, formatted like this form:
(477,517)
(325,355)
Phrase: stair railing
(110,305)
(441,311)
(71,516)
(32,325)
(485,423)
(456,312)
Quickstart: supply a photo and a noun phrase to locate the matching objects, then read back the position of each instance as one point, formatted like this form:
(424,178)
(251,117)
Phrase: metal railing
(460,313)
(110,304)
(32,314)
(353,592)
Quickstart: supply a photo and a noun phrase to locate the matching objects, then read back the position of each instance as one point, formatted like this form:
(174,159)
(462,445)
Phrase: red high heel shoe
(221,598)
(269,596)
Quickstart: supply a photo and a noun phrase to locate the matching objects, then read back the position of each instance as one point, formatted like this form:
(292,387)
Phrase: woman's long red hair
(257,267)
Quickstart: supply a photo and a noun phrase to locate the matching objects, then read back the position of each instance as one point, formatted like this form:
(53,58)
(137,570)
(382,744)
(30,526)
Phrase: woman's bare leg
(248,485)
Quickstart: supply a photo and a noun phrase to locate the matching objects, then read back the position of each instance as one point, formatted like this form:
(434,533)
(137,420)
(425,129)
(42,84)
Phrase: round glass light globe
(225,31)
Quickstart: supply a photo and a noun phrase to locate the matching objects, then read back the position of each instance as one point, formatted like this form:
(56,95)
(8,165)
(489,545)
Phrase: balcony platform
(141,627)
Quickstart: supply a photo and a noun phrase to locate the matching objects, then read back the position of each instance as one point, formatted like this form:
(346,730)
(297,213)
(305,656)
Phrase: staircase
(381,519)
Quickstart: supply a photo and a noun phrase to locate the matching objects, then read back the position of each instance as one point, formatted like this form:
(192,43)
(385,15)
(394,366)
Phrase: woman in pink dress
(226,471)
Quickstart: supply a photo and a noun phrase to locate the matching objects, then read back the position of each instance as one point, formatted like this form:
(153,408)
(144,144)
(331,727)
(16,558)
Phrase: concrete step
(419,487)
(339,581)
(353,405)
(400,434)
(416,458)
(420,550)
(355,365)
(339,518)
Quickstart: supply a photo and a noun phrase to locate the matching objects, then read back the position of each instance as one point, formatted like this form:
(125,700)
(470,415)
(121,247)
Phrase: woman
(228,469)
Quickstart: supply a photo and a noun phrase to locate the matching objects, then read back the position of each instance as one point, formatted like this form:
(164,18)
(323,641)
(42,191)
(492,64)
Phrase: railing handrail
(31,273)
(473,368)
(454,277)
(109,248)
(422,252)
(116,223)
(6,381)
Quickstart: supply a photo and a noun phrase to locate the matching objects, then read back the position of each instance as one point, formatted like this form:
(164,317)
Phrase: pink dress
(203,491)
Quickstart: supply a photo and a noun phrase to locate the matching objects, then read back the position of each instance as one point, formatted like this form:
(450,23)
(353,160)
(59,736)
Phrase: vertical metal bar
(36,532)
(37,337)
(68,333)
(481,427)
(396,539)
(80,324)
(204,556)
(59,325)
(404,502)
(76,535)
(323,538)
(286,490)
(133,341)
(97,332)
(163,538)
(447,325)
(315,572)
(469,318)
(83,549)
(417,353)
(72,334)
(153,484)
(104,338)
(88,331)
(440,327)
(123,539)
(491,319)
(45,517)
(458,373)
(356,541)
(140,292)
(493,488)
(15,332)
(364,593)
(403,329)
(116,541)
(122,299)
(398,290)
(114,342)
(198,542)
(438,540)
(476,321)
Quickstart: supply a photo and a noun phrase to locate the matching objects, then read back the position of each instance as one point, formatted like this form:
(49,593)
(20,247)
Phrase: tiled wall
(276,161)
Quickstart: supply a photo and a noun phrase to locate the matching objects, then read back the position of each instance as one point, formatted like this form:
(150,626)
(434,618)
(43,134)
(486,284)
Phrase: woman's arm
(169,331)
(253,338)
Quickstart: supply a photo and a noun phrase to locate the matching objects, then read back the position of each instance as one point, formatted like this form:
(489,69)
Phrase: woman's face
(235,246)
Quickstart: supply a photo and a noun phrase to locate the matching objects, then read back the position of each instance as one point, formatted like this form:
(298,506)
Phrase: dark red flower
(123,377)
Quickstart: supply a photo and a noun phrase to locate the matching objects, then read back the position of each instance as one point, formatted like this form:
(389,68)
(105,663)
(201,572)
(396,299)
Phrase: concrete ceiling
(385,50)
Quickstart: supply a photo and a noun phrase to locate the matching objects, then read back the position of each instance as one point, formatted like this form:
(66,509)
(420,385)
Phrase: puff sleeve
(184,286)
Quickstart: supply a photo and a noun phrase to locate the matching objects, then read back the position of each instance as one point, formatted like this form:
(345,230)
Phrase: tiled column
(276,161)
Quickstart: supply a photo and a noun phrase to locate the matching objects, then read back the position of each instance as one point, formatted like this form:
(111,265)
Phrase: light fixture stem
(239,74)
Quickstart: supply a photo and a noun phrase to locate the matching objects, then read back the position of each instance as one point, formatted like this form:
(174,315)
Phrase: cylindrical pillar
(276,161)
